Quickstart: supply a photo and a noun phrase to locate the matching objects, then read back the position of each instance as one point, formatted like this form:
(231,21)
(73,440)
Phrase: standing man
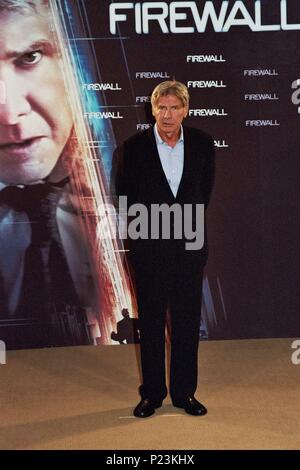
(169,164)
(43,259)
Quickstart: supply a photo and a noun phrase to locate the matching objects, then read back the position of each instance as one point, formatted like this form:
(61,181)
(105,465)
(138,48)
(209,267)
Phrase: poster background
(244,92)
(251,284)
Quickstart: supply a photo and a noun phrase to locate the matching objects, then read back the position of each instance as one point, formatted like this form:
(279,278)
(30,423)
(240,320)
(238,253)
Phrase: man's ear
(186,111)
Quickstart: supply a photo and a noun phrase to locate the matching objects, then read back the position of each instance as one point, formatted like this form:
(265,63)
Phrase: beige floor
(82,398)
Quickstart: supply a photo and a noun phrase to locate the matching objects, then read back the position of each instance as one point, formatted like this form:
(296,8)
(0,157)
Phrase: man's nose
(167,113)
(13,102)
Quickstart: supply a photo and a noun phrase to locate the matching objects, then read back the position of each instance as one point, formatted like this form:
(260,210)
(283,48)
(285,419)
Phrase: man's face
(35,119)
(169,113)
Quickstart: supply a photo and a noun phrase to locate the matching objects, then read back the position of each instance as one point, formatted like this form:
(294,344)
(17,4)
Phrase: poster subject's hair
(21,5)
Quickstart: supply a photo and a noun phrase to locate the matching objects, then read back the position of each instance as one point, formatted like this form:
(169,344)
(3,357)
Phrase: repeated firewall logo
(296,94)
(2,353)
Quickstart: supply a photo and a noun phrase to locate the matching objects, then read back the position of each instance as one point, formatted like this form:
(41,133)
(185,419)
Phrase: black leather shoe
(146,408)
(191,406)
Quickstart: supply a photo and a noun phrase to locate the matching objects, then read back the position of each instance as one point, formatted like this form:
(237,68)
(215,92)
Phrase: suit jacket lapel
(159,171)
(186,165)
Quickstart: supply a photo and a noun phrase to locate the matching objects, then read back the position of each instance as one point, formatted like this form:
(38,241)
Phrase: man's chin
(27,176)
(169,128)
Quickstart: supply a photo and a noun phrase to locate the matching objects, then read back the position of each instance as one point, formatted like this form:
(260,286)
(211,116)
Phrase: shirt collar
(161,141)
(4,185)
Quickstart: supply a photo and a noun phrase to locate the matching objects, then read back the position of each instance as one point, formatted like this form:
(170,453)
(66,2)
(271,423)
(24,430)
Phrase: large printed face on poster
(56,286)
(35,118)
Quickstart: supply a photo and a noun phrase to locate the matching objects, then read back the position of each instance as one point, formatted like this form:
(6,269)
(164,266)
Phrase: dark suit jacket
(141,178)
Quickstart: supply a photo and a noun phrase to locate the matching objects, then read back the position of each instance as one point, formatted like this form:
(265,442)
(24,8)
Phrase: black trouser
(182,291)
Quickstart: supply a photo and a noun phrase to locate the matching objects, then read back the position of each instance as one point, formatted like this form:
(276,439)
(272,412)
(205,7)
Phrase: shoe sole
(144,416)
(188,412)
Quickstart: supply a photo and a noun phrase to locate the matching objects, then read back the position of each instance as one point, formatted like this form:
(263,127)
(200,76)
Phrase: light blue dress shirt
(172,159)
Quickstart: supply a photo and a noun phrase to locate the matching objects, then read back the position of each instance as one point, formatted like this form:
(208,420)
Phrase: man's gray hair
(170,88)
(22,5)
